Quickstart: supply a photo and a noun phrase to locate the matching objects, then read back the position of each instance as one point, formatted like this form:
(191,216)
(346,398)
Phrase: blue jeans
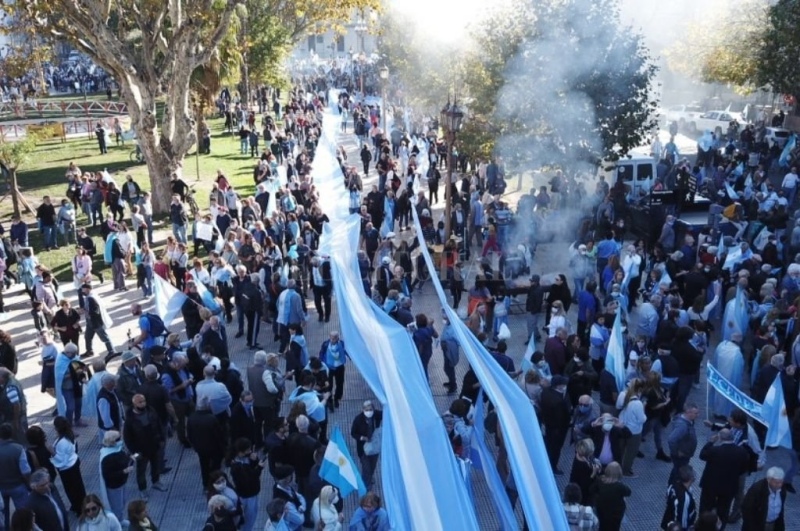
(249,512)
(243,145)
(147,287)
(579,282)
(179,231)
(49,235)
(116,502)
(19,495)
(74,406)
(149,221)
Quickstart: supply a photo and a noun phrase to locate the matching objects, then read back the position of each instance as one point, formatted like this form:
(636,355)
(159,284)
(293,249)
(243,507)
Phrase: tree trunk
(14,191)
(164,149)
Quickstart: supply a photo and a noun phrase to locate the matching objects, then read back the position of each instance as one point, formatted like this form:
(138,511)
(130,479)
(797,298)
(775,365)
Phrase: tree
(25,51)
(722,49)
(14,155)
(151,47)
(780,47)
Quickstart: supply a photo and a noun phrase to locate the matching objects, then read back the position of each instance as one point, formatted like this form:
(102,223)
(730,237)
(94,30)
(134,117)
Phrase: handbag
(373,445)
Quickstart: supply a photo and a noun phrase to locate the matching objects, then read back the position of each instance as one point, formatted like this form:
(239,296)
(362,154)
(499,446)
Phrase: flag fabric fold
(208,299)
(168,300)
(774,412)
(338,467)
(615,355)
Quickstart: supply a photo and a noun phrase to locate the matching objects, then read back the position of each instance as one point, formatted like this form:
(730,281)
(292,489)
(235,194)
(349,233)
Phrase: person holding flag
(338,467)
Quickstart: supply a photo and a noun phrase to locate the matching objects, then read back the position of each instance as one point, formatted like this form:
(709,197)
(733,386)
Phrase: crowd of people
(255,259)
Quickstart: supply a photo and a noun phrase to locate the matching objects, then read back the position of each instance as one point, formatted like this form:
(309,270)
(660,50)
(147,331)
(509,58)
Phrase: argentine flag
(338,467)
(168,300)
(615,357)
(774,412)
(208,299)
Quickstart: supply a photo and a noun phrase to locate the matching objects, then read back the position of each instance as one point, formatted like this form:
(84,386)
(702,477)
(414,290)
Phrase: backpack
(157,328)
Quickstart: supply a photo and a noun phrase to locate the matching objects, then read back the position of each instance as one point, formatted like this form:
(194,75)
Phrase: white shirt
(633,416)
(789,180)
(218,396)
(65,454)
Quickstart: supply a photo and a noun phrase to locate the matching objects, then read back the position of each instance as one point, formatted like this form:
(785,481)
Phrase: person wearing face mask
(295,504)
(323,510)
(363,430)
(220,485)
(639,350)
(243,419)
(115,465)
(370,516)
(220,517)
(582,417)
(608,434)
(541,366)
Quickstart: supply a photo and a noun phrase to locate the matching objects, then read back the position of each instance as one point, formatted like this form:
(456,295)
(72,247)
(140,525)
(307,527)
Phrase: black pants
(553,442)
(209,463)
(72,481)
(336,376)
(722,504)
(366,168)
(154,459)
(433,191)
(322,302)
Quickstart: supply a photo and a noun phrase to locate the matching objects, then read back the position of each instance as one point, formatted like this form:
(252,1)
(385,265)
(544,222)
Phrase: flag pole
(708,391)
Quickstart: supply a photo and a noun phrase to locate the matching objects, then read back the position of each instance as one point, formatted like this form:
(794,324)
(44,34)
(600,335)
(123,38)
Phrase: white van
(638,174)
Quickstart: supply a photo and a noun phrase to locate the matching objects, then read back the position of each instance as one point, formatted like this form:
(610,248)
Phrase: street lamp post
(384,73)
(450,119)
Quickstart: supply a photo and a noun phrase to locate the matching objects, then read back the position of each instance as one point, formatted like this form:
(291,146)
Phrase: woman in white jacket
(324,512)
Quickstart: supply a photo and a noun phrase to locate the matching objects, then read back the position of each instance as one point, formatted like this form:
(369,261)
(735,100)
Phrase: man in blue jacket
(334,356)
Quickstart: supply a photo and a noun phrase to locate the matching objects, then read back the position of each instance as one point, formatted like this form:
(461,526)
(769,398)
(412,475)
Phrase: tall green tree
(724,48)
(152,48)
(778,65)
(14,155)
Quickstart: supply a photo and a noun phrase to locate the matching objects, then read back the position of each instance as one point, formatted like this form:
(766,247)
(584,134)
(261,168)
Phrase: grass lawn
(44,175)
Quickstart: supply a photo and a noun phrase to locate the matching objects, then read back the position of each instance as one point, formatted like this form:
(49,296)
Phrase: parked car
(777,135)
(683,115)
(717,121)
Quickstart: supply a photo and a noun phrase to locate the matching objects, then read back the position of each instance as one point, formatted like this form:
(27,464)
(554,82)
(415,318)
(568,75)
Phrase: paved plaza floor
(182,506)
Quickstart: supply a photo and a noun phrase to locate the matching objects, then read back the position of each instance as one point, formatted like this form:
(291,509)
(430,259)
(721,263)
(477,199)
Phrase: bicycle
(137,156)
(190,200)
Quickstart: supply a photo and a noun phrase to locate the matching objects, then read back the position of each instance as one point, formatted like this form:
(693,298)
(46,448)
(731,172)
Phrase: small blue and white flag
(786,154)
(731,192)
(208,299)
(615,357)
(338,467)
(168,300)
(774,412)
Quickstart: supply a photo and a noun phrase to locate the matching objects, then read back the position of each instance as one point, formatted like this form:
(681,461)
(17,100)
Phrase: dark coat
(554,408)
(364,428)
(241,424)
(756,504)
(205,433)
(618,436)
(143,437)
(300,448)
(555,353)
(724,464)
(46,515)
(217,341)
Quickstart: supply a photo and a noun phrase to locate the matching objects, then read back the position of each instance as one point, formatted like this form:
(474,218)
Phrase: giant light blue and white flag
(774,412)
(208,299)
(505,512)
(615,356)
(338,467)
(168,300)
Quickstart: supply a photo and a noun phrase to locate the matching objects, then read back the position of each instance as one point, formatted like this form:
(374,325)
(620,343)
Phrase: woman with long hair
(94,517)
(323,511)
(633,416)
(609,497)
(65,459)
(138,519)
